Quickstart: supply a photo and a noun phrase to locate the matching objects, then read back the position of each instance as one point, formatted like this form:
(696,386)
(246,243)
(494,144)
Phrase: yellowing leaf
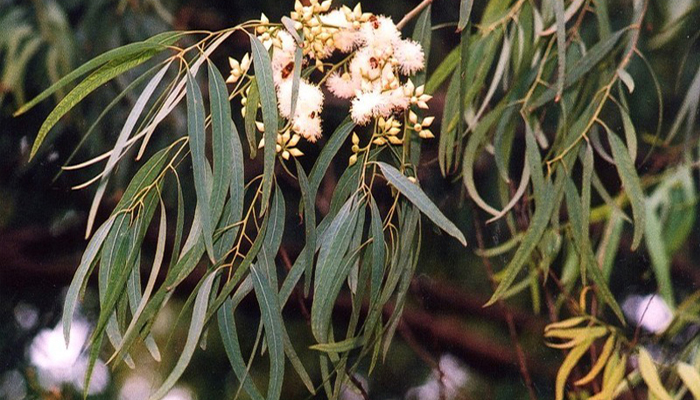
(600,363)
(690,377)
(569,363)
(651,376)
(567,323)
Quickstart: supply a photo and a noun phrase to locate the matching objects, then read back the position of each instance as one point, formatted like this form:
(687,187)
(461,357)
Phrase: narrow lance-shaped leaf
(465,10)
(568,365)
(377,252)
(308,199)
(594,55)
(651,376)
(334,246)
(690,377)
(529,242)
(631,184)
(266,88)
(103,75)
(416,196)
(660,260)
(121,142)
(602,360)
(251,113)
(443,71)
(157,262)
(222,146)
(560,18)
(195,131)
(81,274)
(328,152)
(193,334)
(272,320)
(296,78)
(158,42)
(229,337)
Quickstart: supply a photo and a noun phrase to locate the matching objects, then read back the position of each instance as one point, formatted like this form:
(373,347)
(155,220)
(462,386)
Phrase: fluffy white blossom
(308,127)
(309,99)
(410,56)
(380,33)
(345,38)
(343,85)
(366,106)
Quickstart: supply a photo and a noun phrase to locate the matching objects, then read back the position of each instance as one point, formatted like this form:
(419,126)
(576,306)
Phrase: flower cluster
(369,76)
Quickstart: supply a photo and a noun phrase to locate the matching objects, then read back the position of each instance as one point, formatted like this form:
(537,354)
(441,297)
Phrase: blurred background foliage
(42,219)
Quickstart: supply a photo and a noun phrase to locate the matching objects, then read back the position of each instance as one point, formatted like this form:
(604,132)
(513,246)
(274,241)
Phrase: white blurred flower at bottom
(58,364)
(446,383)
(140,385)
(650,312)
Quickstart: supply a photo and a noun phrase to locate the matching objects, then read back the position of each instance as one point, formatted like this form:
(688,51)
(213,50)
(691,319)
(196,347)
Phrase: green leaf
(135,298)
(142,299)
(272,320)
(422,33)
(103,75)
(589,264)
(558,6)
(465,10)
(449,134)
(229,337)
(470,154)
(690,377)
(340,347)
(251,112)
(651,375)
(289,25)
(330,149)
(308,199)
(593,56)
(609,244)
(156,43)
(443,71)
(630,133)
(537,227)
(193,335)
(195,131)
(126,131)
(631,184)
(81,274)
(268,97)
(332,268)
(534,161)
(660,260)
(233,212)
(296,77)
(222,141)
(416,196)
(378,253)
(588,169)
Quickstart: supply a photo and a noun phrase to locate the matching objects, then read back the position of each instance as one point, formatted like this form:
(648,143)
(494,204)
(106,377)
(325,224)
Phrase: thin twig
(413,13)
